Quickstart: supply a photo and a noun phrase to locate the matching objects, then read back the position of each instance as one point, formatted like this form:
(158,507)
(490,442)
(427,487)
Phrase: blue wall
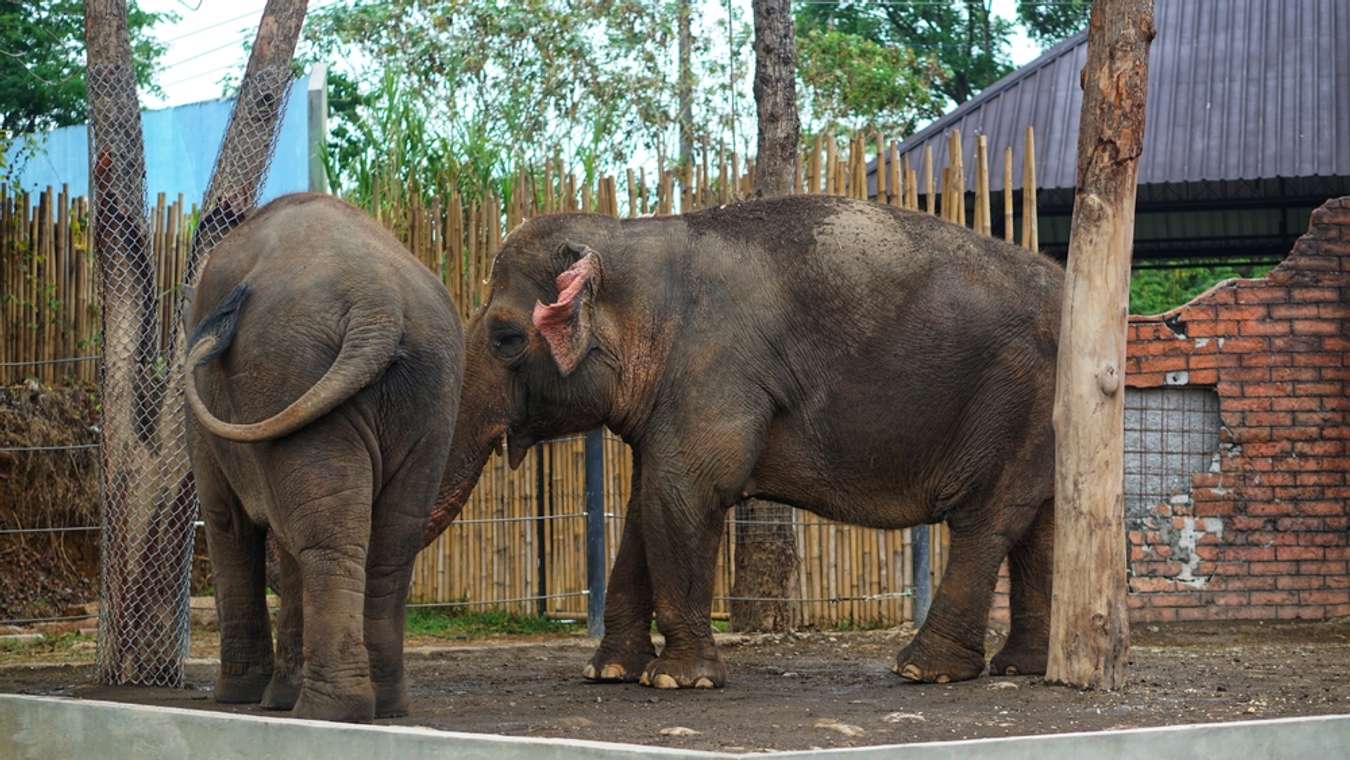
(181,144)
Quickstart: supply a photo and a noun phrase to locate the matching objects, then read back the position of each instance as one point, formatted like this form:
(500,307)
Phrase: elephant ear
(565,324)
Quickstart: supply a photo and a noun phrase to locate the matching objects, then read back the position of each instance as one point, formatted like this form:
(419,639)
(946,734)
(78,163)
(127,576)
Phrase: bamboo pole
(1008,194)
(982,224)
(930,200)
(1030,236)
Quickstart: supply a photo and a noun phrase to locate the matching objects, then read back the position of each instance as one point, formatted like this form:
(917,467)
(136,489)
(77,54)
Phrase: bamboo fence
(519,544)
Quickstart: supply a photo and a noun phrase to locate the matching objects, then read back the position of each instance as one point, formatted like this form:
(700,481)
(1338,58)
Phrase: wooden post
(982,224)
(1029,236)
(1089,622)
(1007,194)
(930,201)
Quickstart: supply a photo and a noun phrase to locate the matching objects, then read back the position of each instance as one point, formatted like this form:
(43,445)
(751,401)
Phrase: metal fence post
(595,532)
(922,572)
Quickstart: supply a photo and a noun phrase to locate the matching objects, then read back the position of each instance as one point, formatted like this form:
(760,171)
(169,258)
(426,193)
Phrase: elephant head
(542,355)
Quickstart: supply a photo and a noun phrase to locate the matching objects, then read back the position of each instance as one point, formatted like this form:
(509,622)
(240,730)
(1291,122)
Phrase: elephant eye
(507,342)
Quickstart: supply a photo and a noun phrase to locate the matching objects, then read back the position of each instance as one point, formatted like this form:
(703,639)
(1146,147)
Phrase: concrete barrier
(42,728)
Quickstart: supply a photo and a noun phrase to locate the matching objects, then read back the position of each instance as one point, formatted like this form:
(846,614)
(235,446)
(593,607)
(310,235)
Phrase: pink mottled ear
(566,323)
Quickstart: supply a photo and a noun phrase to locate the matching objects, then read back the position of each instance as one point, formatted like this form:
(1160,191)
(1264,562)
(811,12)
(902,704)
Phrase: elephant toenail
(588,672)
(663,681)
(944,678)
(912,672)
(703,683)
(612,671)
(1011,670)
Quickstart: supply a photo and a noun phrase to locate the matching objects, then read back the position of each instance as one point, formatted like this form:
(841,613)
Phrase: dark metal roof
(1240,92)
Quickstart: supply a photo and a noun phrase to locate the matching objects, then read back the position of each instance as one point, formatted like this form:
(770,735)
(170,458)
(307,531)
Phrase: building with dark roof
(1247,128)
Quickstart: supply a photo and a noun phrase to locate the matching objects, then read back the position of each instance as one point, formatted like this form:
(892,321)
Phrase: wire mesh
(149,505)
(1170,433)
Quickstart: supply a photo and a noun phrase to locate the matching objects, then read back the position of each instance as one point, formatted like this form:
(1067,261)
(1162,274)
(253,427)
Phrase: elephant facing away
(322,381)
(875,366)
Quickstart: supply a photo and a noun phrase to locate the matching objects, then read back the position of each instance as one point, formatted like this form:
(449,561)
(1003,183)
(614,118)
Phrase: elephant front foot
(242,684)
(675,672)
(930,659)
(355,706)
(618,666)
(283,691)
(1020,658)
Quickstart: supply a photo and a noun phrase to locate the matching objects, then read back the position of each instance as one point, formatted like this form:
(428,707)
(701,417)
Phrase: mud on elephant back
(873,365)
(323,377)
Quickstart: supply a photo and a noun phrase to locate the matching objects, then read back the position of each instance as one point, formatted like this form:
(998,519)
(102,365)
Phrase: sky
(207,42)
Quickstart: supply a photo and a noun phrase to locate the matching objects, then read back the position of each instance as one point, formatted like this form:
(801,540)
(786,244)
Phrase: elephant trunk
(479,427)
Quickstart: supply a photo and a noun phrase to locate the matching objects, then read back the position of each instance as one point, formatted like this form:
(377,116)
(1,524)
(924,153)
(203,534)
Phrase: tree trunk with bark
(685,84)
(766,549)
(1089,623)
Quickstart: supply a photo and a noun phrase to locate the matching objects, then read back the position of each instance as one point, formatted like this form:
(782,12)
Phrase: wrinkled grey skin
(875,366)
(314,321)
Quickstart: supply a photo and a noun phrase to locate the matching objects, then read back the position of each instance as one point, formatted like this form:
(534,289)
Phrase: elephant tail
(368,347)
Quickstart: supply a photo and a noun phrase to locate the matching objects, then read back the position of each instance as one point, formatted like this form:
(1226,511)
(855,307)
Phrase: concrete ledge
(54,727)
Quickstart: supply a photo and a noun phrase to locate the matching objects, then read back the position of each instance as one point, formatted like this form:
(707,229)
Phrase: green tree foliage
(42,61)
(1050,22)
(1154,291)
(857,83)
(495,82)
(963,44)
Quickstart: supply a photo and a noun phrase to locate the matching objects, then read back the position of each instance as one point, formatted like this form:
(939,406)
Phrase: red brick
(1300,433)
(1295,403)
(1333,311)
(1267,360)
(1268,418)
(1316,359)
(1264,328)
(1266,295)
(1150,585)
(1336,344)
(1248,345)
(1316,327)
(1152,615)
(1320,508)
(1332,540)
(1309,295)
(1270,538)
(1297,343)
(1298,552)
(1319,478)
(1319,448)
(1313,389)
(1246,374)
(1296,582)
(1274,597)
(1321,568)
(1301,612)
(1165,364)
(1217,328)
(1272,389)
(1324,597)
(1211,361)
(1280,374)
(1242,522)
(1319,419)
(1268,449)
(1293,311)
(1272,568)
(1251,580)
(1173,600)
(1146,380)
(1249,553)
(1230,399)
(1298,492)
(1247,434)
(1241,313)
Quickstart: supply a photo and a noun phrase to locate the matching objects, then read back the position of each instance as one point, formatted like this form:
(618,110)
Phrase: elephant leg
(236,547)
(288,676)
(1031,565)
(950,645)
(396,536)
(627,646)
(323,490)
(685,493)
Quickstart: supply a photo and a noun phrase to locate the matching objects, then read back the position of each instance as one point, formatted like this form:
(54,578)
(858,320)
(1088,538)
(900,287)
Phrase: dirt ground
(822,689)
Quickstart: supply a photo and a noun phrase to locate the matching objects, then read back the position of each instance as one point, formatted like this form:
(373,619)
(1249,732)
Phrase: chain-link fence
(149,505)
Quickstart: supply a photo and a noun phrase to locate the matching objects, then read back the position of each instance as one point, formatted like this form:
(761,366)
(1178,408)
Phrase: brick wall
(1267,534)
(1264,532)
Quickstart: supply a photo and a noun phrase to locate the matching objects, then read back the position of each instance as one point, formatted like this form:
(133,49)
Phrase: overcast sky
(207,42)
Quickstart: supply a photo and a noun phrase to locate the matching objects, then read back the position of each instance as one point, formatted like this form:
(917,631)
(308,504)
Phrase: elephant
(322,381)
(875,366)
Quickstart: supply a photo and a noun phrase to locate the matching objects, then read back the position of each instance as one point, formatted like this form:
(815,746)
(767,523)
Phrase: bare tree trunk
(685,85)
(766,548)
(148,501)
(775,97)
(1089,623)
